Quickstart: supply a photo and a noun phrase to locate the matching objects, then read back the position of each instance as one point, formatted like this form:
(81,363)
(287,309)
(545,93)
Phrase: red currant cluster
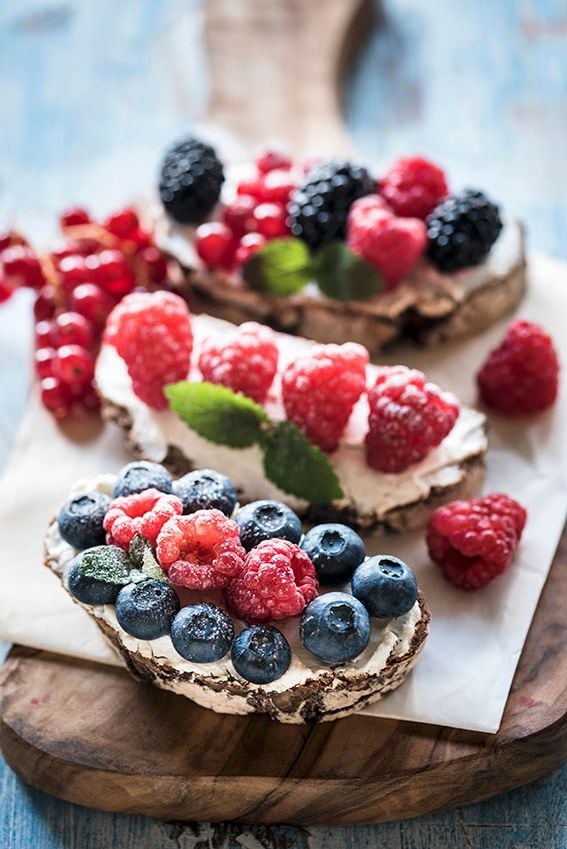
(77,285)
(257,214)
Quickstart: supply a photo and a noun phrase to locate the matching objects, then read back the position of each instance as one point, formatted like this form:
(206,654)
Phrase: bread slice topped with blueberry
(330,251)
(236,608)
(314,426)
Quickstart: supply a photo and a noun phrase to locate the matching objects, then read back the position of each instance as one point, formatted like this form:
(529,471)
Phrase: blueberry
(335,627)
(92,590)
(261,654)
(202,632)
(262,520)
(385,585)
(141,475)
(206,489)
(146,609)
(80,519)
(335,551)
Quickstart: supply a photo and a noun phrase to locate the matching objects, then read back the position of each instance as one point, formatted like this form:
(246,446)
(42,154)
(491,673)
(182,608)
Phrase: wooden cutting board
(93,735)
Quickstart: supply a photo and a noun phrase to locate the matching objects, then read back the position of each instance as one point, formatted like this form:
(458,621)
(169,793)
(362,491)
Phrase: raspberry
(521,375)
(152,334)
(201,551)
(144,513)
(320,389)
(246,361)
(278,580)
(475,541)
(408,417)
(413,186)
(394,245)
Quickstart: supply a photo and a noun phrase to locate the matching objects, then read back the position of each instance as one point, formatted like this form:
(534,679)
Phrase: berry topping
(385,585)
(22,267)
(72,328)
(140,475)
(335,551)
(80,520)
(144,513)
(247,247)
(273,157)
(44,361)
(270,220)
(238,215)
(201,551)
(56,397)
(89,300)
(318,208)
(277,581)
(206,490)
(146,609)
(74,217)
(245,361)
(413,186)
(461,230)
(113,274)
(261,654)
(110,562)
(191,180)
(123,223)
(278,186)
(475,541)
(320,389)
(408,417)
(215,243)
(521,375)
(74,365)
(335,627)
(152,334)
(394,245)
(262,520)
(202,633)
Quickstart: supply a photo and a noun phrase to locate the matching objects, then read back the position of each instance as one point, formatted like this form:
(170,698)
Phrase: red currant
(9,238)
(74,216)
(74,329)
(22,267)
(139,240)
(215,244)
(273,157)
(113,274)
(156,264)
(238,215)
(89,398)
(45,334)
(74,365)
(73,272)
(56,397)
(278,185)
(248,246)
(44,360)
(6,291)
(254,186)
(89,300)
(270,220)
(122,223)
(45,303)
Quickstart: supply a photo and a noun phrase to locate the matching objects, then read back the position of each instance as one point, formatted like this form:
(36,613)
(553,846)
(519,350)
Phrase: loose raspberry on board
(144,513)
(246,361)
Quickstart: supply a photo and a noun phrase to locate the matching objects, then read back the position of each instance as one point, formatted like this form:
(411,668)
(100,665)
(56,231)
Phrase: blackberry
(190,180)
(318,209)
(461,230)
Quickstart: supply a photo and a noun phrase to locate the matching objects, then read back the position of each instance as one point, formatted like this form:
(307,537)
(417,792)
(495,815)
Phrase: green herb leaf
(136,550)
(106,563)
(344,276)
(282,267)
(151,567)
(297,466)
(142,557)
(217,413)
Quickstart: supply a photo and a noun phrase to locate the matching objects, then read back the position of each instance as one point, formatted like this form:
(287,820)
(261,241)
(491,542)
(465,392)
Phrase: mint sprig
(225,417)
(282,267)
(106,563)
(345,276)
(142,557)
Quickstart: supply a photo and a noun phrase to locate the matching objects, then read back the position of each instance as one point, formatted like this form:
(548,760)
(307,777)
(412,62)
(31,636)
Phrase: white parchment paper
(465,673)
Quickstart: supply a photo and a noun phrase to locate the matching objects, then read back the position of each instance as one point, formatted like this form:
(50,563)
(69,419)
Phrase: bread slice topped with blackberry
(235,607)
(314,426)
(331,252)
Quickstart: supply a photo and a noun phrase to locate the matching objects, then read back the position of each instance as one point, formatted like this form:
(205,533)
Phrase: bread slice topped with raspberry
(330,252)
(314,426)
(235,607)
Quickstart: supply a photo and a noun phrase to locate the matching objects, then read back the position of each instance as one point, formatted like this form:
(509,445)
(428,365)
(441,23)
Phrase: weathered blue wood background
(91,91)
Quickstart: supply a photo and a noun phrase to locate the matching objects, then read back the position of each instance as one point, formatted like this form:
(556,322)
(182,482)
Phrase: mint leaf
(106,563)
(142,557)
(282,267)
(297,466)
(136,550)
(344,276)
(217,413)
(150,566)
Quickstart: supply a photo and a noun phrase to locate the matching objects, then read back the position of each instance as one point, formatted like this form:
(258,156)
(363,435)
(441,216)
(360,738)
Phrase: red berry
(408,417)
(200,551)
(215,244)
(90,399)
(253,186)
(238,215)
(45,334)
(45,303)
(278,580)
(74,329)
(144,513)
(246,361)
(320,389)
(74,272)
(44,362)
(475,541)
(113,274)
(278,186)
(63,251)
(9,238)
(123,223)
(74,365)
(138,240)
(90,301)
(152,334)
(394,245)
(521,375)
(413,186)
(270,220)
(156,264)
(248,246)
(6,291)
(273,157)
(56,397)
(22,267)
(74,216)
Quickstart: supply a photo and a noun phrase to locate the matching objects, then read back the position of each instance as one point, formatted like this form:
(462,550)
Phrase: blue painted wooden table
(90,92)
